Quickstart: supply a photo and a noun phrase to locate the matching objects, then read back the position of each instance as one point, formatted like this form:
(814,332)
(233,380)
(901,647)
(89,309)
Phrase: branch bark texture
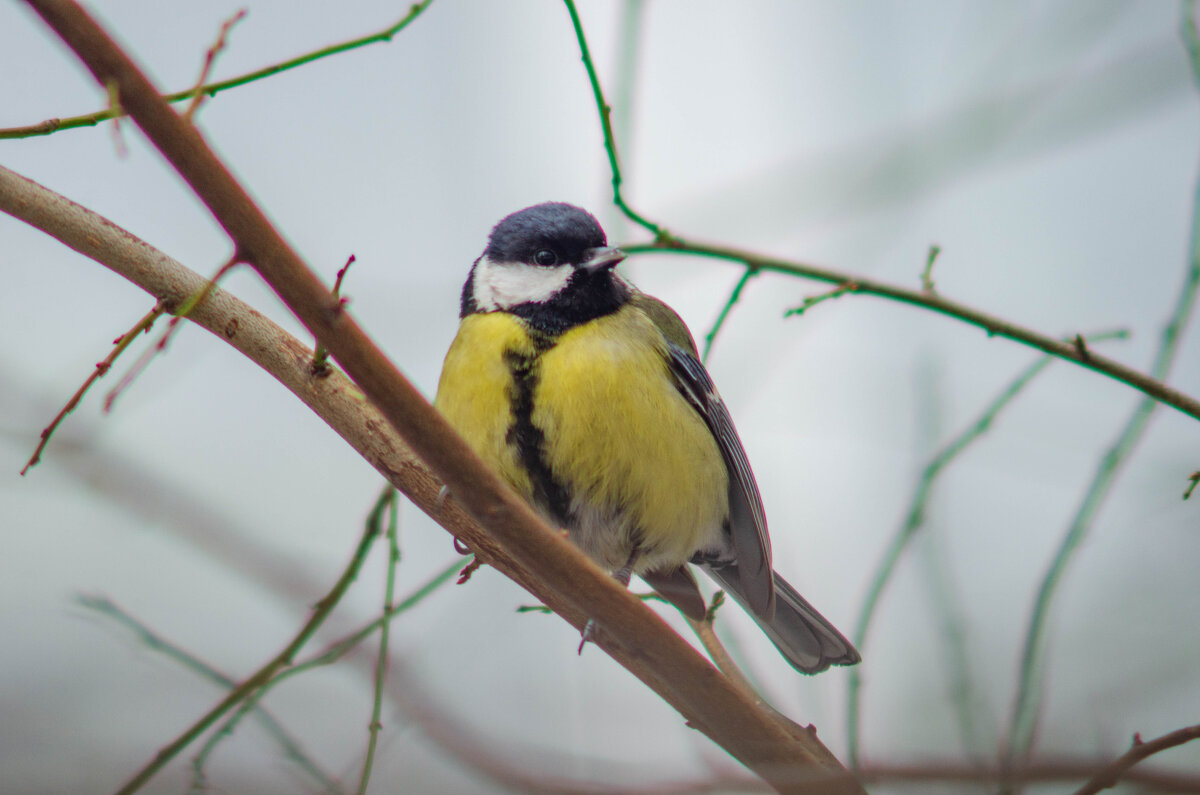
(516,541)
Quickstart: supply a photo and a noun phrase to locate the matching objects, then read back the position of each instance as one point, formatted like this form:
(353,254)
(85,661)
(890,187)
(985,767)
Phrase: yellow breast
(476,389)
(636,460)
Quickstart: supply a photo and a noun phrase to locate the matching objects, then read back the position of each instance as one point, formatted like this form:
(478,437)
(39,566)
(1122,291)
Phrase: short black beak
(597,259)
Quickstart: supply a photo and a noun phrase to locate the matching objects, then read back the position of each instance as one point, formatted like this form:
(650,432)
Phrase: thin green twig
(915,518)
(913,521)
(373,528)
(381,663)
(339,648)
(246,689)
(945,599)
(625,83)
(1027,704)
(734,297)
(927,275)
(610,143)
(1068,350)
(812,300)
(212,89)
(665,242)
(152,640)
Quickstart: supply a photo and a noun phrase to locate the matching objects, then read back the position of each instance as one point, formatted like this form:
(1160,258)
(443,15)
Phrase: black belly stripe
(548,492)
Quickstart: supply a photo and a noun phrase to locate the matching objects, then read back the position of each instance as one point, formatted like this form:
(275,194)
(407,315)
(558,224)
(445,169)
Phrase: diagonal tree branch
(517,542)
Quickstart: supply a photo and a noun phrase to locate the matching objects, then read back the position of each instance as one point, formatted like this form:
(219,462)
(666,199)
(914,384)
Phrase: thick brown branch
(516,542)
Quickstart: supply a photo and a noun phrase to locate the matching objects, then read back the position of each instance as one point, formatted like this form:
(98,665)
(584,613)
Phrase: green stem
(610,143)
(384,635)
(734,297)
(246,689)
(155,642)
(900,541)
(212,89)
(1069,350)
(1027,705)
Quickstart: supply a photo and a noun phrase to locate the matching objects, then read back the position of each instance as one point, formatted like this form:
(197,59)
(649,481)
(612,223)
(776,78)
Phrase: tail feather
(808,641)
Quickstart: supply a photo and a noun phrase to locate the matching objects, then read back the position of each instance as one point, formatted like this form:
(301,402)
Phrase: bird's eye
(545,257)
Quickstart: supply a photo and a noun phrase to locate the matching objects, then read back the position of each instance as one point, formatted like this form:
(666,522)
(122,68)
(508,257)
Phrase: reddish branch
(119,345)
(1111,774)
(516,541)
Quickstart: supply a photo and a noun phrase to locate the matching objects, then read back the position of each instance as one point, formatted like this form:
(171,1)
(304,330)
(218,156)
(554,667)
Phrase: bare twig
(245,698)
(381,663)
(734,296)
(212,89)
(913,521)
(148,355)
(155,642)
(1050,769)
(1150,385)
(610,141)
(1193,480)
(119,345)
(665,242)
(716,650)
(812,300)
(320,362)
(1112,773)
(1027,703)
(927,274)
(517,542)
(210,58)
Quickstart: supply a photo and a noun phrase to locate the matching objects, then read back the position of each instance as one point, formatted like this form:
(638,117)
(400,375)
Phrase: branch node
(468,570)
(813,300)
(1193,479)
(1081,348)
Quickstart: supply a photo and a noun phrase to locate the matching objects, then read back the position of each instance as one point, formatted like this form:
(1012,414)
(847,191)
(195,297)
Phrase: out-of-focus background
(1050,149)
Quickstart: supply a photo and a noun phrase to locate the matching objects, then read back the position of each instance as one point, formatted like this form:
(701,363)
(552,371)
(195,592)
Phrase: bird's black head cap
(552,236)
(563,228)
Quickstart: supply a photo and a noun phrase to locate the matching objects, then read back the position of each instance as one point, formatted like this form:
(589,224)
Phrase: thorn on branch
(927,274)
(813,300)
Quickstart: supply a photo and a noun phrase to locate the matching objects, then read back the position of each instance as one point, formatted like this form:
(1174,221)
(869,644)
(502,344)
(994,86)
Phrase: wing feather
(747,520)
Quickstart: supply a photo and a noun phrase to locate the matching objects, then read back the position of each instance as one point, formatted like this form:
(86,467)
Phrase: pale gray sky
(1049,148)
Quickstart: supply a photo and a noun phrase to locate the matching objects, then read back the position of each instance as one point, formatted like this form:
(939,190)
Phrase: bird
(588,397)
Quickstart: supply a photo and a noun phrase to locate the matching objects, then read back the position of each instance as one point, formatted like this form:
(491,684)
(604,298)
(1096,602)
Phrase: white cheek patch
(503,285)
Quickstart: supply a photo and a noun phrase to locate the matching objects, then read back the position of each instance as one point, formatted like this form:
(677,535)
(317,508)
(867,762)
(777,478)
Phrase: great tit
(589,398)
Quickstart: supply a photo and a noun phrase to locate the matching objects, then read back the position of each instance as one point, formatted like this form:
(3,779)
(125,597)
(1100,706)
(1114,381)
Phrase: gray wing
(747,521)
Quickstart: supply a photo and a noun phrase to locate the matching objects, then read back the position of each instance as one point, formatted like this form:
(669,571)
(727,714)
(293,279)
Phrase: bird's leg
(622,576)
